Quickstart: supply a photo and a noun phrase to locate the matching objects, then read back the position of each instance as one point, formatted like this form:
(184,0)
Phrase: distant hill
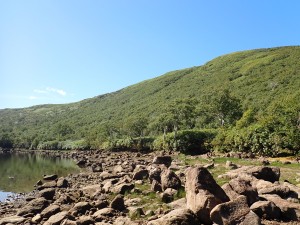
(260,78)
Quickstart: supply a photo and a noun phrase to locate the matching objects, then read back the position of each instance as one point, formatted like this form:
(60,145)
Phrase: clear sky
(60,51)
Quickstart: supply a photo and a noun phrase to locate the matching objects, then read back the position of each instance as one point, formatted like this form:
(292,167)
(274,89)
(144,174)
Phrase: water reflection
(19,172)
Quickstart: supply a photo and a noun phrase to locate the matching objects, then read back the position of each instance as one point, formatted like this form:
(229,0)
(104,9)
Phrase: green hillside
(264,80)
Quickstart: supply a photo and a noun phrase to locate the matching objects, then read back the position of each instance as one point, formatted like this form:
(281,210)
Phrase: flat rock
(34,206)
(50,210)
(12,219)
(56,219)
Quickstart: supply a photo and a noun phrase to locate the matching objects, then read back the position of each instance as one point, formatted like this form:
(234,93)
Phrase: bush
(187,141)
(63,145)
(254,139)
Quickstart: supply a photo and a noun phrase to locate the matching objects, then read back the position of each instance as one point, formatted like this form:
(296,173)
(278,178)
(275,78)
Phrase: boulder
(229,191)
(62,183)
(177,217)
(12,220)
(243,187)
(122,188)
(103,213)
(234,212)
(86,220)
(271,174)
(156,186)
(166,160)
(35,206)
(266,210)
(203,193)
(47,193)
(56,219)
(140,175)
(289,210)
(118,203)
(281,190)
(168,195)
(170,180)
(154,173)
(80,208)
(50,210)
(49,184)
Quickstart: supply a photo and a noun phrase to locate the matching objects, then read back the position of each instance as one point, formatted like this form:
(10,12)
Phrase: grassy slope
(257,77)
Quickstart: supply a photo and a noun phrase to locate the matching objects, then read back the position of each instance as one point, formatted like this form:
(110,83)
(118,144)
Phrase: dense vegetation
(249,101)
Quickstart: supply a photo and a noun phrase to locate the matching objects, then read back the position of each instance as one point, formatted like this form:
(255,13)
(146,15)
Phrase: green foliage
(63,145)
(256,90)
(187,141)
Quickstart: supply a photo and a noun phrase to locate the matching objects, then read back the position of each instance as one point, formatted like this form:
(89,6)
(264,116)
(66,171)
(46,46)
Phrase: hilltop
(262,80)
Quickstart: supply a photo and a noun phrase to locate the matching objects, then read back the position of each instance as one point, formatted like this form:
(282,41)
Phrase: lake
(19,172)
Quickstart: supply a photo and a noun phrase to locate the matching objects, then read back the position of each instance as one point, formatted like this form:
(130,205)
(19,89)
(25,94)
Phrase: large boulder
(234,212)
(170,180)
(203,193)
(177,217)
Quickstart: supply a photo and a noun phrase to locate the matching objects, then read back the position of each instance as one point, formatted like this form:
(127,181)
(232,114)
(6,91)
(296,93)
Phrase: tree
(135,126)
(222,109)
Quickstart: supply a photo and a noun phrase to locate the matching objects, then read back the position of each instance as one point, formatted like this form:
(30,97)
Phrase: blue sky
(55,51)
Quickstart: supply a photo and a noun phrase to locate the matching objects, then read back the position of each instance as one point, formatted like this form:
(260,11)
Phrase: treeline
(188,125)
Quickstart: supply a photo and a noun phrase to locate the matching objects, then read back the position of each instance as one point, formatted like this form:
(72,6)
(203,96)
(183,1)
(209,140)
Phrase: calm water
(20,172)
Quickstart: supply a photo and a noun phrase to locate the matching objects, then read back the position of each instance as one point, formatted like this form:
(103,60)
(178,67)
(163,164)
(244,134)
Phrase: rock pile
(98,195)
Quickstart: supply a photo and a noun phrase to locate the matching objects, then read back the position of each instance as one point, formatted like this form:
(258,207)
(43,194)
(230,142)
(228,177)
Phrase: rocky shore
(156,189)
